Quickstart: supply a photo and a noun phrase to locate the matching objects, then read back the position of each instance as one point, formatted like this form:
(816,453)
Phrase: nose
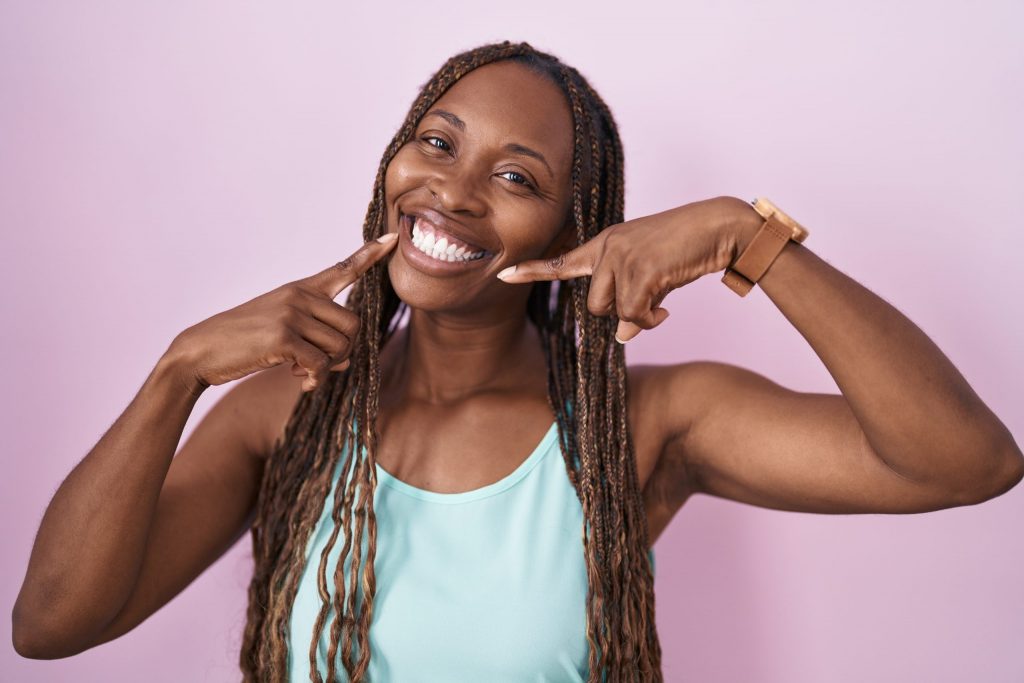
(457,190)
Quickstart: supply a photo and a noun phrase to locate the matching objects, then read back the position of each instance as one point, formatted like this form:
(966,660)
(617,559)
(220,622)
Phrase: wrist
(740,223)
(176,367)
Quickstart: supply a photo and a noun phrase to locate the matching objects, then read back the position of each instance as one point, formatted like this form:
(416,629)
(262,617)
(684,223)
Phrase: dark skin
(134,523)
(469,358)
(907,433)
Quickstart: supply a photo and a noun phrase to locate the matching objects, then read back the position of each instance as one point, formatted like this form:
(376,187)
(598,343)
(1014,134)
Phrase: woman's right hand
(298,322)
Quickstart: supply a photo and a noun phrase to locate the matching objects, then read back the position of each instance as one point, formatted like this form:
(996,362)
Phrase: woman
(477,563)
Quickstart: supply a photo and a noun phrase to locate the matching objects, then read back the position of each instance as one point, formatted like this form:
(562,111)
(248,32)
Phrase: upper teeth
(425,241)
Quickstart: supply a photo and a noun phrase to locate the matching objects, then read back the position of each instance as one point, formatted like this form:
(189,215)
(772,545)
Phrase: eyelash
(527,184)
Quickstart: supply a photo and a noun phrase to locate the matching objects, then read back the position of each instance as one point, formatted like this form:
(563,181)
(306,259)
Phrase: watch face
(763,206)
(766,208)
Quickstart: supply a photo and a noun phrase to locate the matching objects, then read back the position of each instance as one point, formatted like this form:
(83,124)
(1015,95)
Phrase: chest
(457,451)
(471,586)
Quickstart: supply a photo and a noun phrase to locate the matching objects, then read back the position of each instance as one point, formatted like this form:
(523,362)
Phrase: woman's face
(488,169)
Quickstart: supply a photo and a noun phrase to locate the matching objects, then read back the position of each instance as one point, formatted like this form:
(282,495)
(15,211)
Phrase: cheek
(401,174)
(532,234)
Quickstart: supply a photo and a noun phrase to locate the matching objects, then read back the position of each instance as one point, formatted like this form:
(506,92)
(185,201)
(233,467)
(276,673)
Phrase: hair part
(586,368)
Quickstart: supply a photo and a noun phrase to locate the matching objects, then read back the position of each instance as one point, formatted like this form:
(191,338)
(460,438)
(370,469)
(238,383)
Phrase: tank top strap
(488,584)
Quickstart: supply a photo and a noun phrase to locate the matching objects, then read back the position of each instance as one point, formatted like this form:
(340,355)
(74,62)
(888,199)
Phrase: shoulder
(674,395)
(665,402)
(662,398)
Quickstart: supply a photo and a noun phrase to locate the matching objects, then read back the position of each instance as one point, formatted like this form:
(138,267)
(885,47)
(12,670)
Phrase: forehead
(506,102)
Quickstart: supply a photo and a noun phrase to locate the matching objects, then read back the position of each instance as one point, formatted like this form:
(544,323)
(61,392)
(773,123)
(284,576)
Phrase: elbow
(34,640)
(1003,476)
(24,638)
(1013,472)
(39,644)
(28,641)
(29,646)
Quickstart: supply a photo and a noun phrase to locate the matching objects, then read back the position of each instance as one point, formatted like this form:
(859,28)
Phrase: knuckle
(648,320)
(635,314)
(662,289)
(283,337)
(339,343)
(613,241)
(354,323)
(555,263)
(291,294)
(596,307)
(346,266)
(630,310)
(347,314)
(290,316)
(346,326)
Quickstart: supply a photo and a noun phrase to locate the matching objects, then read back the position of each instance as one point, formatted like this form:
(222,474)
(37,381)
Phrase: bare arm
(917,412)
(205,504)
(90,544)
(907,434)
(133,524)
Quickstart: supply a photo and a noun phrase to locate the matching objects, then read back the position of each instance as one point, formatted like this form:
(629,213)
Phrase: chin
(425,293)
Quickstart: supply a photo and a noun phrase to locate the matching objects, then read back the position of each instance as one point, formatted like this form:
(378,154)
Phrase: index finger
(343,273)
(573,263)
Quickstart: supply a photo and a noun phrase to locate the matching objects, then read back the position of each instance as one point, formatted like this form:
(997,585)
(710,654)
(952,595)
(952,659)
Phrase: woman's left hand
(635,264)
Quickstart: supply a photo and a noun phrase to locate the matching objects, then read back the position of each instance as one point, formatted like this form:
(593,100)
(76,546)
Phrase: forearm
(917,411)
(91,541)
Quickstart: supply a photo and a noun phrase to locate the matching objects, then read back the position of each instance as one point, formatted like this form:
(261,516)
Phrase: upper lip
(445,223)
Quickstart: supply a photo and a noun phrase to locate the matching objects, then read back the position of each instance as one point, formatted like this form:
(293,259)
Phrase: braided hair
(585,367)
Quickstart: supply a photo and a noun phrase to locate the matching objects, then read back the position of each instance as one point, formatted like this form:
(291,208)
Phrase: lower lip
(429,264)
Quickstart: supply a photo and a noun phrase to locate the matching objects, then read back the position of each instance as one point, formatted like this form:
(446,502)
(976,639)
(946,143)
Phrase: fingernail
(621,341)
(508,271)
(387,237)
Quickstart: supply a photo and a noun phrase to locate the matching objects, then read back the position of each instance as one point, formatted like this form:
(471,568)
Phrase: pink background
(159,164)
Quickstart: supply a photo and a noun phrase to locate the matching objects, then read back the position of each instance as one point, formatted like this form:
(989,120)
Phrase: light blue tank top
(483,585)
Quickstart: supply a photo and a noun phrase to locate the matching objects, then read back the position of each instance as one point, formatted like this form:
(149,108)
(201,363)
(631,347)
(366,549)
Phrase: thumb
(627,330)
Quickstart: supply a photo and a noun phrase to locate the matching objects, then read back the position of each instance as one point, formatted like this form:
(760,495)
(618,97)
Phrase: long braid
(586,392)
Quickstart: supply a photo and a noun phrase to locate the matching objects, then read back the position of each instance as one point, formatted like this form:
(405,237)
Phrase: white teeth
(440,249)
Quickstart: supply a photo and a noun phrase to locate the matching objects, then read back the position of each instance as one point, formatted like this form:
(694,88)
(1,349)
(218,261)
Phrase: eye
(524,183)
(428,138)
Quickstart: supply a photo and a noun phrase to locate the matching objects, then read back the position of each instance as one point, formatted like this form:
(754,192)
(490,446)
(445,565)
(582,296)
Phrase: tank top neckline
(532,460)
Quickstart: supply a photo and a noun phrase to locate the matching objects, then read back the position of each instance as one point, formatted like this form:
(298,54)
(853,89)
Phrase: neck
(440,359)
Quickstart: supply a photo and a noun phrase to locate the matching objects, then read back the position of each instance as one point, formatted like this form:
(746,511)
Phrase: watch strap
(762,251)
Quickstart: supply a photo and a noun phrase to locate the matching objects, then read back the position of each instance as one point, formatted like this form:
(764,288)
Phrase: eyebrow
(513,147)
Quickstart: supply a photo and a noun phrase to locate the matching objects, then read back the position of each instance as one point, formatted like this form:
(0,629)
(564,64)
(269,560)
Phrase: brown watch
(776,231)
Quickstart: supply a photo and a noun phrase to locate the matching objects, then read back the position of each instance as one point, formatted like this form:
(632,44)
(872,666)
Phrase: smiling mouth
(442,246)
